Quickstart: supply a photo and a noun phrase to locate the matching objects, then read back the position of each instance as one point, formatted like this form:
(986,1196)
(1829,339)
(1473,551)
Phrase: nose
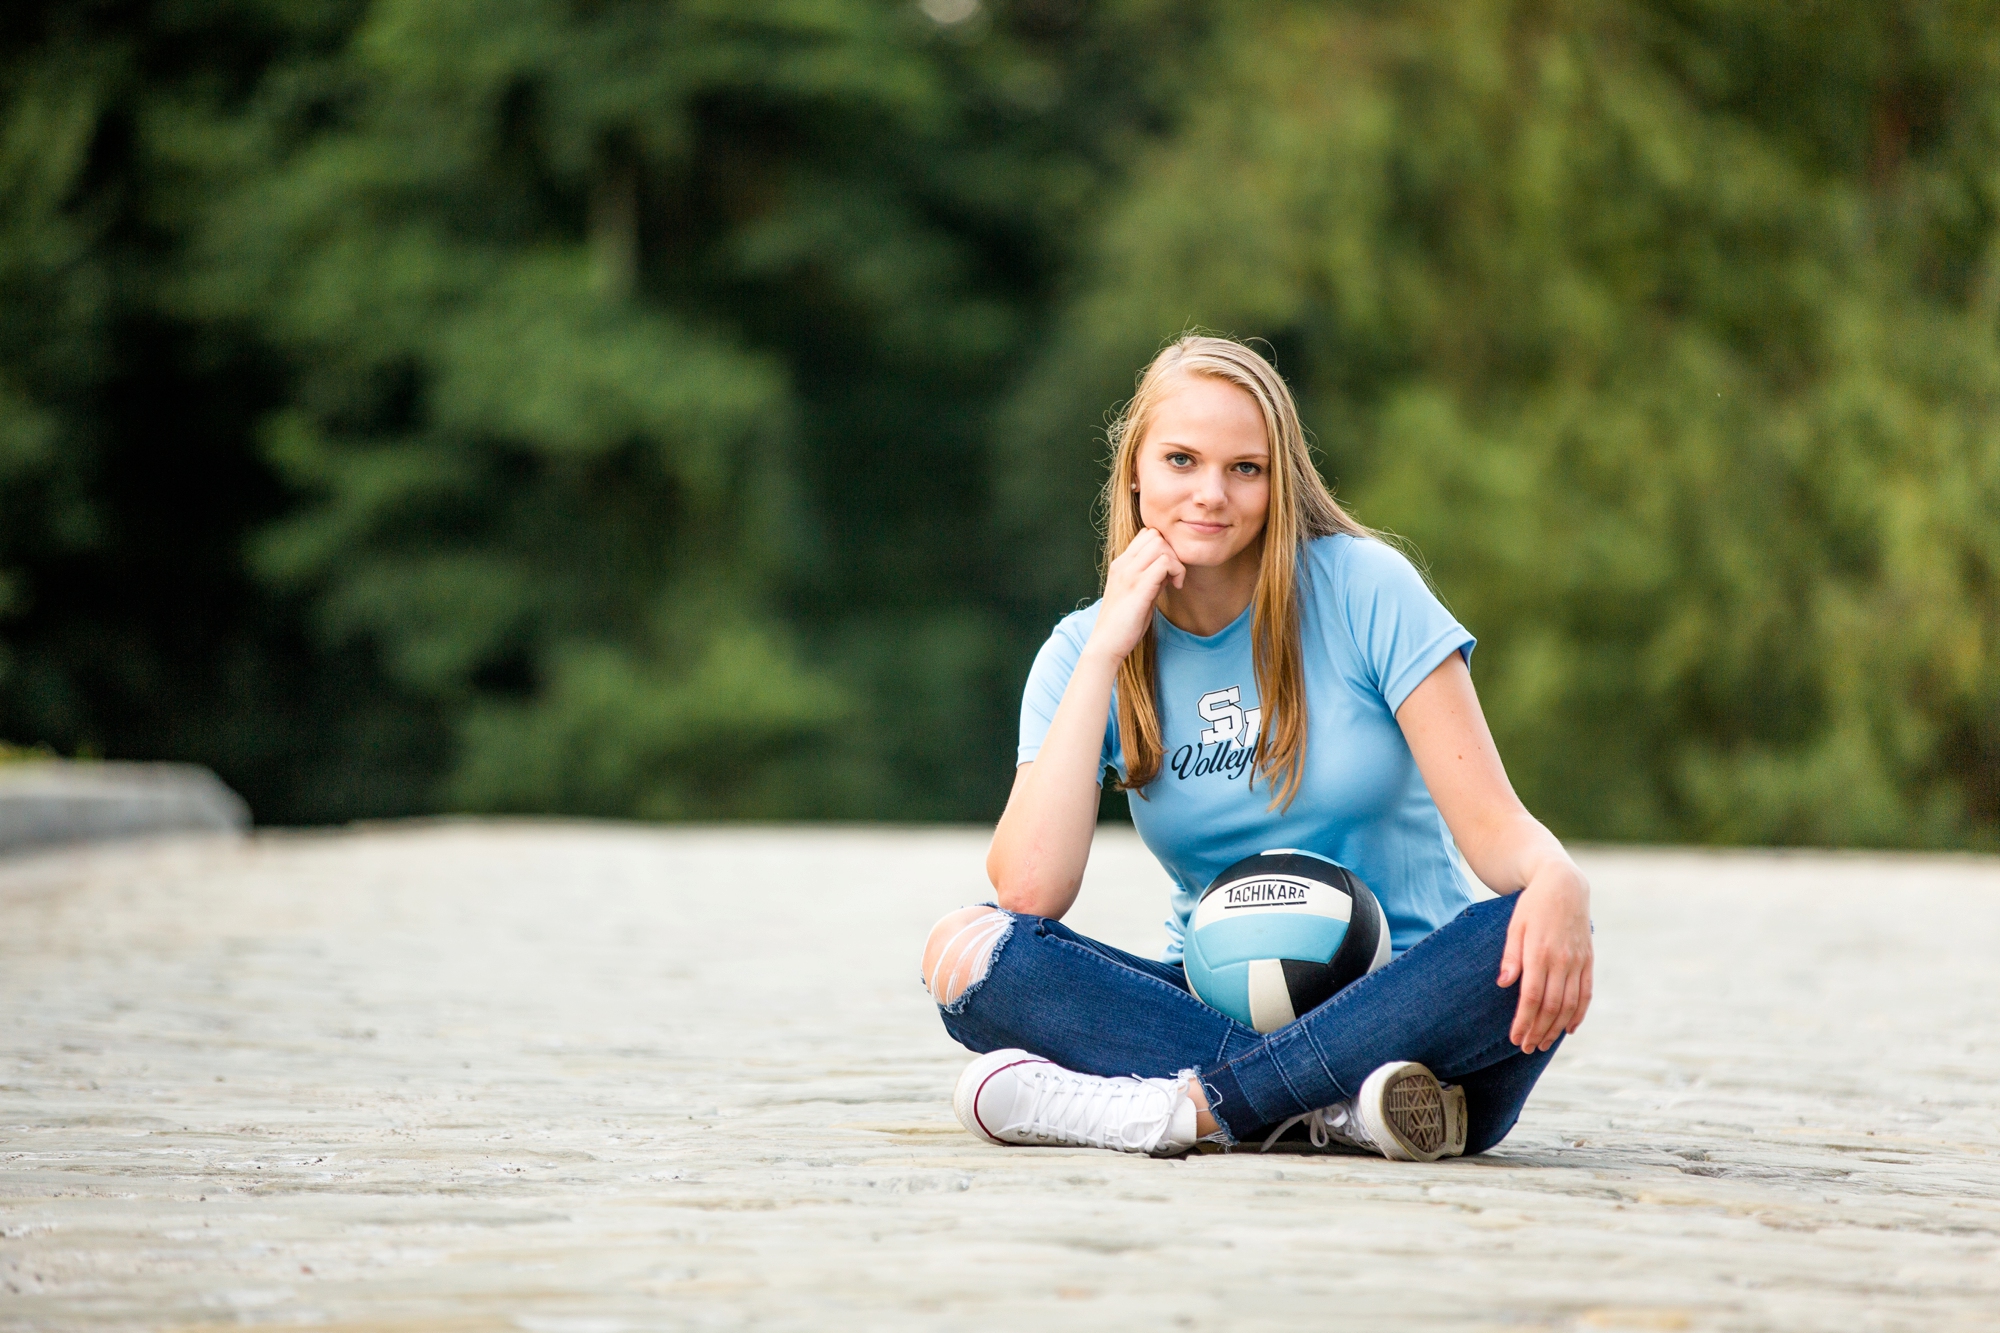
(1209,490)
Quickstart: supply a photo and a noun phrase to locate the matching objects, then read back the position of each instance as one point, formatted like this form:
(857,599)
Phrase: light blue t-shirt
(1371,631)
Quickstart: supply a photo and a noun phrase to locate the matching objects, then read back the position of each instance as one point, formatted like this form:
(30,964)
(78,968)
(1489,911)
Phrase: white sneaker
(1401,1112)
(1013,1097)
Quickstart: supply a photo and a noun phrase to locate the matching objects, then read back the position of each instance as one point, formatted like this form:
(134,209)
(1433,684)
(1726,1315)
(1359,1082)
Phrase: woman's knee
(960,950)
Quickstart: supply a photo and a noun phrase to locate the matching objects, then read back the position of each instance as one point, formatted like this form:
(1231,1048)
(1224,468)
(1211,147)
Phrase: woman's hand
(1549,952)
(1131,586)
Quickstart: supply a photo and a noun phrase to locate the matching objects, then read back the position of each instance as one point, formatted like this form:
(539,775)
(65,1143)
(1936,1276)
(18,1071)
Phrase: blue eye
(1179,460)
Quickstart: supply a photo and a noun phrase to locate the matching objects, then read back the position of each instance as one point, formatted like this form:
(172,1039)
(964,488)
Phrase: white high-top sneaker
(1013,1097)
(1401,1112)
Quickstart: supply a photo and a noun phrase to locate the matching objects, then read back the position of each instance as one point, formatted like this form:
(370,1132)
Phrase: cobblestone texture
(584,1079)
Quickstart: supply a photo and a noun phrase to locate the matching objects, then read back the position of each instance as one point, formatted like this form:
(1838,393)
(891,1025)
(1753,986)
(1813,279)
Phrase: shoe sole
(965,1097)
(1403,1107)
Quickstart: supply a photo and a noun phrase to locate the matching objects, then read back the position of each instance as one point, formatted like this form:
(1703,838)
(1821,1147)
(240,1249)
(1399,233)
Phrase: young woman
(1234,581)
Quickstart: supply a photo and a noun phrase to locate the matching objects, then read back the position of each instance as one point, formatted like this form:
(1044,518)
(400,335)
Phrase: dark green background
(693,410)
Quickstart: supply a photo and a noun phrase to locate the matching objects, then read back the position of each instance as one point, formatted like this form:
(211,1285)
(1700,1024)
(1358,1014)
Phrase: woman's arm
(1548,942)
(1039,850)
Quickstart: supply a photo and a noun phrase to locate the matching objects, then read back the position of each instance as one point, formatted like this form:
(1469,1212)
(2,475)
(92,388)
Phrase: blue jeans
(1100,1010)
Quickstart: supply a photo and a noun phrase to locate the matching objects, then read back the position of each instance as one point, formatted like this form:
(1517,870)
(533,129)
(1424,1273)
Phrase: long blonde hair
(1301,508)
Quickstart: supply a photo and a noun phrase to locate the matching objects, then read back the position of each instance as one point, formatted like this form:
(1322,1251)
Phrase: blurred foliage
(690,410)
(22,754)
(1666,332)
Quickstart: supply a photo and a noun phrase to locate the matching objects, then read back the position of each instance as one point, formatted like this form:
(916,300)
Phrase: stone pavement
(48,801)
(576,1078)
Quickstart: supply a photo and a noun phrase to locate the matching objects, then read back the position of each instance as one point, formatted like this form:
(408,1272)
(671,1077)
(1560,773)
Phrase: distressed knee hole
(960,950)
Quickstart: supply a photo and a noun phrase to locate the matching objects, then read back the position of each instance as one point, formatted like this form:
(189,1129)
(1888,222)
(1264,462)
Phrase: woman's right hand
(1131,586)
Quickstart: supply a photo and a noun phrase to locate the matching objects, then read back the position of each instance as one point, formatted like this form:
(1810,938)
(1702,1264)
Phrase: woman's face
(1204,472)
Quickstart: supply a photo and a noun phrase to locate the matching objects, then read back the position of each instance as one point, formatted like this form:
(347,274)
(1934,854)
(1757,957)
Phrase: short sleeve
(1400,628)
(1047,680)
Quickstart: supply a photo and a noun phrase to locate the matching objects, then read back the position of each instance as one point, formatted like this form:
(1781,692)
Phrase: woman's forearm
(1043,840)
(1039,850)
(1505,846)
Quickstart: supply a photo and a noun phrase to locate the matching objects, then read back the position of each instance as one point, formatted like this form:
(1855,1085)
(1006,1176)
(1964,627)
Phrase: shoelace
(1323,1125)
(1074,1108)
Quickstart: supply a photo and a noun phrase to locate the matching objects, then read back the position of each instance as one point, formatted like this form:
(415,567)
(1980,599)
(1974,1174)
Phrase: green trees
(127,624)
(693,410)
(623,369)
(552,505)
(1667,334)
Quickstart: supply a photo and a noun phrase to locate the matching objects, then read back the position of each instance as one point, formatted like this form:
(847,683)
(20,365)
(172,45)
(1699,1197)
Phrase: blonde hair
(1301,508)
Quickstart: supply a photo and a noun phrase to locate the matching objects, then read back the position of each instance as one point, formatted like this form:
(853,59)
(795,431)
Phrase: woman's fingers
(1586,964)
(1152,577)
(1563,1011)
(1175,568)
(1527,1010)
(1145,564)
(1149,561)
(1510,957)
(1131,587)
(1550,1011)
(1560,999)
(1548,997)
(1147,544)
(1138,550)
(1572,1006)
(1583,1002)
(1541,1000)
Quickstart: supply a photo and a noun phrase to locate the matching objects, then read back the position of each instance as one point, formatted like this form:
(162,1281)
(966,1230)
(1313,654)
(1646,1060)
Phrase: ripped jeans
(1099,1010)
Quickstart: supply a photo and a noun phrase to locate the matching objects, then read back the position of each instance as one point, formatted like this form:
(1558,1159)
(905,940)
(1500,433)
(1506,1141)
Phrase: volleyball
(1278,933)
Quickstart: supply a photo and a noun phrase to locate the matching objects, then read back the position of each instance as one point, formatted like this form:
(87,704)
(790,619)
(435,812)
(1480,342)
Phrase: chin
(1203,554)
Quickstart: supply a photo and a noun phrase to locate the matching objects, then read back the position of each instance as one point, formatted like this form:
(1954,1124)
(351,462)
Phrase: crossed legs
(1003,981)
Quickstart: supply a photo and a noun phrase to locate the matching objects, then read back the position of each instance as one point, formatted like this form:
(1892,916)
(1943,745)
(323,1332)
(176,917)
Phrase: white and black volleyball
(1278,933)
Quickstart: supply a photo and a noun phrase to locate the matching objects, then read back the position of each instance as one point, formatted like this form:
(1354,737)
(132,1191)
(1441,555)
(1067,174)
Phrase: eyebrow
(1262,456)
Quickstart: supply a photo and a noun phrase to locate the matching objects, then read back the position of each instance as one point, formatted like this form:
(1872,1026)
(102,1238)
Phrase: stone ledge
(46,803)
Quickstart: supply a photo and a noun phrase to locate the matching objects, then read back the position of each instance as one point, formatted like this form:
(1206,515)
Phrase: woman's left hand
(1549,953)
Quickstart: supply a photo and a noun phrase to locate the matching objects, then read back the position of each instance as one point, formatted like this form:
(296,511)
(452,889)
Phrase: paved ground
(577,1079)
